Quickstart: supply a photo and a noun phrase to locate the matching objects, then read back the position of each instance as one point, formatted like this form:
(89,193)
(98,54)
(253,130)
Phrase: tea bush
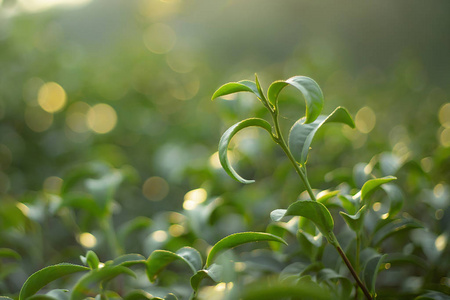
(374,230)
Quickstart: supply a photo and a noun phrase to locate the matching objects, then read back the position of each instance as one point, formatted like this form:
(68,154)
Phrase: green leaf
(392,227)
(89,283)
(90,260)
(170,296)
(236,87)
(355,221)
(159,259)
(42,277)
(139,295)
(302,133)
(9,253)
(237,239)
(372,184)
(41,297)
(371,271)
(59,294)
(225,141)
(312,210)
(214,272)
(396,197)
(128,260)
(303,290)
(308,87)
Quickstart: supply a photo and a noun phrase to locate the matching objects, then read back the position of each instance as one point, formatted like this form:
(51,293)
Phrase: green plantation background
(113,99)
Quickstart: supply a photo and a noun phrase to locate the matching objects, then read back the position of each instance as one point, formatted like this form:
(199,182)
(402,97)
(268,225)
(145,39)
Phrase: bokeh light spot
(441,242)
(160,38)
(427,164)
(376,206)
(444,115)
(76,117)
(101,118)
(194,198)
(87,240)
(159,236)
(52,184)
(176,230)
(444,137)
(52,97)
(155,188)
(365,119)
(37,119)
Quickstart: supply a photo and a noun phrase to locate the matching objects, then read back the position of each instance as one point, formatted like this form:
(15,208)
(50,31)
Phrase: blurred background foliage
(88,86)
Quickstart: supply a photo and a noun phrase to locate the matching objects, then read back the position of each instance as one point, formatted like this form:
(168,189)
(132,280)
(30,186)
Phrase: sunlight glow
(159,236)
(160,38)
(193,198)
(102,118)
(37,119)
(52,97)
(365,119)
(155,188)
(87,240)
(444,115)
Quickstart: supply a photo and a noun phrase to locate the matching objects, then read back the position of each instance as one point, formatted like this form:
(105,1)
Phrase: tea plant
(313,254)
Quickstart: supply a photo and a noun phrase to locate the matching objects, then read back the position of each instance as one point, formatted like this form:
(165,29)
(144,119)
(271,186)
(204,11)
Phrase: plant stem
(279,139)
(352,270)
(301,171)
(111,238)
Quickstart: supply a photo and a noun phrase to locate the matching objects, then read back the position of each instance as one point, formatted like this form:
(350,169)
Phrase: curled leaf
(308,87)
(312,210)
(225,141)
(42,277)
(237,239)
(302,132)
(159,259)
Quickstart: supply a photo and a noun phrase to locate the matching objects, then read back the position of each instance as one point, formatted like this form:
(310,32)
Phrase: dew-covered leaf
(237,239)
(46,275)
(225,141)
(308,87)
(302,133)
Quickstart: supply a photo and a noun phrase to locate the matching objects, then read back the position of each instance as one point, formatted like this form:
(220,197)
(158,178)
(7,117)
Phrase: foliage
(370,238)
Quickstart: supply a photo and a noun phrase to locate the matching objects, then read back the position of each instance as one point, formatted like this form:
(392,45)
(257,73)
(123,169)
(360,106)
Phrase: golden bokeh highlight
(155,188)
(193,198)
(101,118)
(365,119)
(52,97)
(159,236)
(441,242)
(176,230)
(427,164)
(52,184)
(160,38)
(37,119)
(87,240)
(76,117)
(376,206)
(180,61)
(444,137)
(444,115)
(187,89)
(158,10)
